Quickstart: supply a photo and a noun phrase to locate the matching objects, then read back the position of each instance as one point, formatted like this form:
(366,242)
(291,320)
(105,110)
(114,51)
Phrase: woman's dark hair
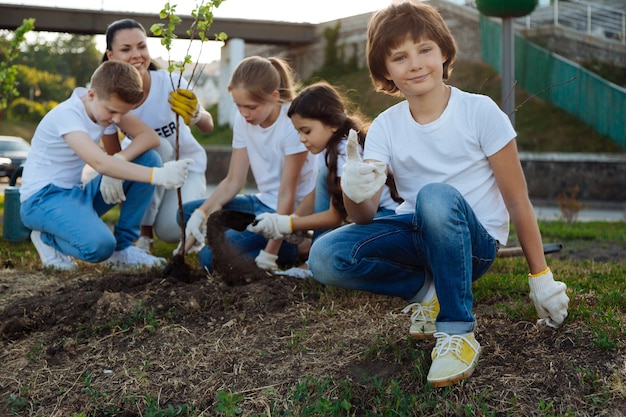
(115,27)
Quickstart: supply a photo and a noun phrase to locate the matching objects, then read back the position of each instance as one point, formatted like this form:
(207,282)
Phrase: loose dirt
(108,343)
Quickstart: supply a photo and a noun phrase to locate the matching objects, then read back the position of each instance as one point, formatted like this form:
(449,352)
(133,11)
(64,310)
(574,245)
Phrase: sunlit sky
(281,10)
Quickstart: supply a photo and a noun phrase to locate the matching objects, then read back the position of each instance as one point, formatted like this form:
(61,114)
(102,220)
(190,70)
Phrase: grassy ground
(101,343)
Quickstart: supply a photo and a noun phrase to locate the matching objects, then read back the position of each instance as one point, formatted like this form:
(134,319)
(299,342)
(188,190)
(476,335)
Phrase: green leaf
(157,29)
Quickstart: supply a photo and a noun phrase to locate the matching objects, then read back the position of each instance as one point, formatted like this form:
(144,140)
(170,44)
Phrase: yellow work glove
(185,104)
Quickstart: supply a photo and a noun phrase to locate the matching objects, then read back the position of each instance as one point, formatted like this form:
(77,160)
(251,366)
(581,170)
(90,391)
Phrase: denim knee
(98,251)
(149,158)
(320,263)
(434,203)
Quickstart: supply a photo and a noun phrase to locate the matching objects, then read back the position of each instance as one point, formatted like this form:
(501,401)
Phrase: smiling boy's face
(106,111)
(415,66)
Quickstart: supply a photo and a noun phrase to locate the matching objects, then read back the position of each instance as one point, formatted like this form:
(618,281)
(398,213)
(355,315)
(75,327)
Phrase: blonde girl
(264,141)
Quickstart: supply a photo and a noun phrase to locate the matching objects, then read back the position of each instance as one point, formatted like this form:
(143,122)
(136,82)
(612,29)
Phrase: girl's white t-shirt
(267,149)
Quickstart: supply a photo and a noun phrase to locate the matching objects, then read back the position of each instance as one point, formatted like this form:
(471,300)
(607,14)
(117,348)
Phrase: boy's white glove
(271,225)
(266,261)
(360,180)
(185,104)
(173,174)
(549,298)
(196,225)
(112,190)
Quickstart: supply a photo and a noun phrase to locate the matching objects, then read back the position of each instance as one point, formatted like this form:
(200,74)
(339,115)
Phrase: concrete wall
(599,177)
(578,46)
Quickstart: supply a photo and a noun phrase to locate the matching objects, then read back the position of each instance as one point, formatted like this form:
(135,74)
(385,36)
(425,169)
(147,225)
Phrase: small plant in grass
(153,409)
(569,205)
(316,397)
(35,351)
(17,403)
(296,340)
(228,403)
(141,318)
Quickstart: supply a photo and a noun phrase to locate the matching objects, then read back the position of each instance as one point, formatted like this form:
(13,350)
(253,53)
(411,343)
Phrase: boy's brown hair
(118,78)
(391,26)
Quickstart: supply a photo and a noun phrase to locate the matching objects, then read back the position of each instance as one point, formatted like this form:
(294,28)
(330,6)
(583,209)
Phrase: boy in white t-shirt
(63,213)
(455,163)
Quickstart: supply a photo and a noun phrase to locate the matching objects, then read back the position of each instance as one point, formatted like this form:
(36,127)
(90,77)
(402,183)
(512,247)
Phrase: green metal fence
(595,101)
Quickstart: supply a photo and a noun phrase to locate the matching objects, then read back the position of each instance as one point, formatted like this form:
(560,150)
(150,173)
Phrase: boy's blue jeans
(392,254)
(322,200)
(247,243)
(69,219)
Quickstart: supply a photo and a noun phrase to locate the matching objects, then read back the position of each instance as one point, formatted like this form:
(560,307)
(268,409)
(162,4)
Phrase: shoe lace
(450,343)
(420,312)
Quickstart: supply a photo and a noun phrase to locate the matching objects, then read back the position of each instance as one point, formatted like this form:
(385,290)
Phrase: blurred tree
(66,55)
(42,86)
(8,69)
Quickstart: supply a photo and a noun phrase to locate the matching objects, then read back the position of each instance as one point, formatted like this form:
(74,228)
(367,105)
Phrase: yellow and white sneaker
(423,317)
(454,358)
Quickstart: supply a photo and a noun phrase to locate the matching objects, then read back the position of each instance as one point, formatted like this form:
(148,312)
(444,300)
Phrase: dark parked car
(13,150)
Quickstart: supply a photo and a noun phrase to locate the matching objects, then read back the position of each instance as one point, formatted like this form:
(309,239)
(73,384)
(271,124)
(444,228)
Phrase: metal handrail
(594,19)
(583,16)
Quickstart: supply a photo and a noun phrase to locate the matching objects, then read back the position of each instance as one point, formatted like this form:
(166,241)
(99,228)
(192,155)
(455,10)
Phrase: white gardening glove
(549,298)
(296,237)
(185,104)
(266,261)
(196,225)
(172,175)
(112,189)
(360,180)
(272,225)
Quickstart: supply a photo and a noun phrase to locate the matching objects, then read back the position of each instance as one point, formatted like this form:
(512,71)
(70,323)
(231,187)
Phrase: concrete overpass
(95,22)
(285,35)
